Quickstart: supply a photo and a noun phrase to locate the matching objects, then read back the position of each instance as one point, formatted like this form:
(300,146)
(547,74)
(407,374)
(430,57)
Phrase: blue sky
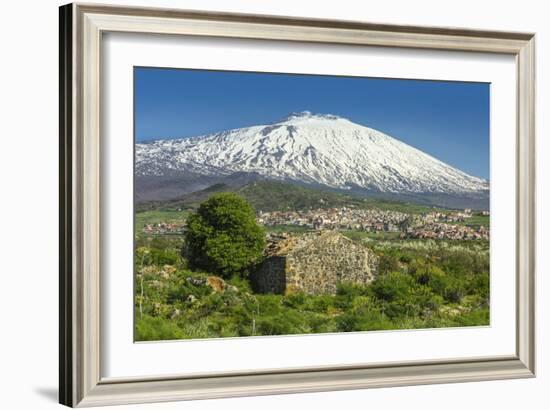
(449,120)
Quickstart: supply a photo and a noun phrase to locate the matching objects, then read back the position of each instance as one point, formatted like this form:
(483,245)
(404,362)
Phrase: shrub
(157,328)
(391,287)
(364,320)
(350,290)
(154,256)
(387,263)
(287,323)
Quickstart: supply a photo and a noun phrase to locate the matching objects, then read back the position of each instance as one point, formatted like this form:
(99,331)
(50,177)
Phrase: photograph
(290,204)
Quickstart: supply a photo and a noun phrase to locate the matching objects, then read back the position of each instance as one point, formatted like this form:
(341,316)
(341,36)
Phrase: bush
(387,264)
(223,237)
(364,320)
(392,286)
(350,290)
(401,296)
(154,256)
(157,328)
(287,323)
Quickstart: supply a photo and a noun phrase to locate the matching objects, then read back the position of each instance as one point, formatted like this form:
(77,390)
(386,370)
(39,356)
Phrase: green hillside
(280,196)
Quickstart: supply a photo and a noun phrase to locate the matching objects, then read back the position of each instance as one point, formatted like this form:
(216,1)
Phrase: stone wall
(270,277)
(321,265)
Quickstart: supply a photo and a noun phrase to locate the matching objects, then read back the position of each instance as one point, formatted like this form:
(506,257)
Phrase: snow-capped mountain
(308,148)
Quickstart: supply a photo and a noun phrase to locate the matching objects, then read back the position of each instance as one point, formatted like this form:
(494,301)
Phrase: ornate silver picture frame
(81,34)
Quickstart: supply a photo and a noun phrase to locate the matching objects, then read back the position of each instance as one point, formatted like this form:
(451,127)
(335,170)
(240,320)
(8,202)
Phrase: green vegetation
(365,236)
(423,284)
(270,196)
(223,237)
(288,228)
(431,286)
(159,216)
(203,292)
(475,220)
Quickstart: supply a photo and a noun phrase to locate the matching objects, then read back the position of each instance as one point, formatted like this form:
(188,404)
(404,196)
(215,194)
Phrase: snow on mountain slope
(309,148)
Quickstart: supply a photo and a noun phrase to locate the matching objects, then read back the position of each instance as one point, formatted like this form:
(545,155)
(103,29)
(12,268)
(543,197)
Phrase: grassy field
(475,220)
(159,216)
(288,228)
(361,235)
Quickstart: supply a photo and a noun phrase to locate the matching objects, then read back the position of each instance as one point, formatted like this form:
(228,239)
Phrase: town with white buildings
(432,225)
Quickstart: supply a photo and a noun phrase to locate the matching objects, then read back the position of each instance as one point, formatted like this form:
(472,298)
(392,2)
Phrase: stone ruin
(313,263)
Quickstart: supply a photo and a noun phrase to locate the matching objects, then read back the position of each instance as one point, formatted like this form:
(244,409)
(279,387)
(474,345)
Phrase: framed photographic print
(259,205)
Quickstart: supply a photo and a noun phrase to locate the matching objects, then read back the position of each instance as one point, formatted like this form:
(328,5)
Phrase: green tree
(223,237)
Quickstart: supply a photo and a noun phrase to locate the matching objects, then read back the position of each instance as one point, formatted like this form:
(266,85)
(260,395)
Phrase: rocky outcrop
(217,284)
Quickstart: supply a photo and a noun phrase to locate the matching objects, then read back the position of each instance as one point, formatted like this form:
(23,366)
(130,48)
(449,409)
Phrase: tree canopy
(223,237)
